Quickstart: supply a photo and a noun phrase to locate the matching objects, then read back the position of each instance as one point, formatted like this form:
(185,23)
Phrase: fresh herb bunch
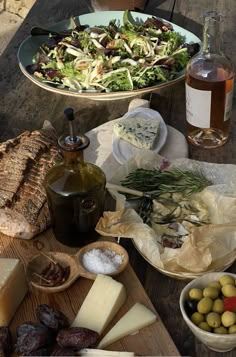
(157,182)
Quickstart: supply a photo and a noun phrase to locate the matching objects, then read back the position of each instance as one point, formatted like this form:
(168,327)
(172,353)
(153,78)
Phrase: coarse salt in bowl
(115,257)
(216,342)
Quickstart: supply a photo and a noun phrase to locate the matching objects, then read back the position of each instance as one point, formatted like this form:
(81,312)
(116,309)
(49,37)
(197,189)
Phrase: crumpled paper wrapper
(208,248)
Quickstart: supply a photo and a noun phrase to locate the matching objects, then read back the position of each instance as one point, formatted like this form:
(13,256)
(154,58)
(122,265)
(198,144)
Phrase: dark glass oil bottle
(75,192)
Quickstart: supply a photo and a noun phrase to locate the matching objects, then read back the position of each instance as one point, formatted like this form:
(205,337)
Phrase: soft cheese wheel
(103,301)
(13,287)
(137,317)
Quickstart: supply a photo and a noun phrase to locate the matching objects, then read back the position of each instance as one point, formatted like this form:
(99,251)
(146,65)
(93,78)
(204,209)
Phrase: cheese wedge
(103,301)
(92,352)
(140,132)
(13,287)
(137,317)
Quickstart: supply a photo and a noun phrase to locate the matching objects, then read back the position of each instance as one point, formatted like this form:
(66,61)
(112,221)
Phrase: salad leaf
(172,40)
(118,80)
(181,58)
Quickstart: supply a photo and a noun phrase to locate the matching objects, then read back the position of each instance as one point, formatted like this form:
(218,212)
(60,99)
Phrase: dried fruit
(77,337)
(40,352)
(32,341)
(54,274)
(29,326)
(60,351)
(51,318)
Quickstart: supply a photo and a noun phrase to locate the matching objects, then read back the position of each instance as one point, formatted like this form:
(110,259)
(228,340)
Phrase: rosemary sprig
(156,182)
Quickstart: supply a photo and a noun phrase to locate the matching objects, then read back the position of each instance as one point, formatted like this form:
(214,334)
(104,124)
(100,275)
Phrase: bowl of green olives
(208,306)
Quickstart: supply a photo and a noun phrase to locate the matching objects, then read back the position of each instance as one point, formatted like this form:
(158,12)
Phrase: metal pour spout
(69,114)
(72,142)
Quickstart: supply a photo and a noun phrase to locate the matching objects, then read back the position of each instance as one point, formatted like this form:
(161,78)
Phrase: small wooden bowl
(104,245)
(39,262)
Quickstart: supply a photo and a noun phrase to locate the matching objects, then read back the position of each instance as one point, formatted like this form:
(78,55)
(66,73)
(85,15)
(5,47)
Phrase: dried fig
(60,351)
(32,341)
(39,352)
(77,337)
(29,326)
(51,318)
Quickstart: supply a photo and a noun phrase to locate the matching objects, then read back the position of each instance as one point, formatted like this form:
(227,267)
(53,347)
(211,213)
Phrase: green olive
(228,318)
(232,329)
(215,284)
(211,292)
(228,290)
(196,318)
(227,279)
(205,305)
(222,330)
(195,294)
(218,306)
(204,326)
(213,319)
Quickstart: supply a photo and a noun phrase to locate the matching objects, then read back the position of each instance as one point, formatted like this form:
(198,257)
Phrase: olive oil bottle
(75,191)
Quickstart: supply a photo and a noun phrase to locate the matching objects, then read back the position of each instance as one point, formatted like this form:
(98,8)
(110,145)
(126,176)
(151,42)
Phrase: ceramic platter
(30,45)
(123,151)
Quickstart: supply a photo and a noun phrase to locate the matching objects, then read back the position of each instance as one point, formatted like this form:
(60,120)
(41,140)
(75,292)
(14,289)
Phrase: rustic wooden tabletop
(24,106)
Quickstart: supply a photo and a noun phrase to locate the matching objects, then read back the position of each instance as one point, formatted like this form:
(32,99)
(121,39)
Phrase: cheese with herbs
(13,287)
(140,132)
(139,316)
(101,304)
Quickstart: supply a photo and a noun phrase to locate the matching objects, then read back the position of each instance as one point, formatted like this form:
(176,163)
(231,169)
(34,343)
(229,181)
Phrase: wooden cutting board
(153,340)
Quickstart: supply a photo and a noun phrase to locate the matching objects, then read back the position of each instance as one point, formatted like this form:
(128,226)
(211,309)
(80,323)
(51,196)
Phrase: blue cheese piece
(139,132)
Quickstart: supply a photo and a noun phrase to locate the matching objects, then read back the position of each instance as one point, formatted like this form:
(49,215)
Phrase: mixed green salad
(117,57)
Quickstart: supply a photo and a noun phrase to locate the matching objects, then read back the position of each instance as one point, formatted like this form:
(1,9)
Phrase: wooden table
(24,106)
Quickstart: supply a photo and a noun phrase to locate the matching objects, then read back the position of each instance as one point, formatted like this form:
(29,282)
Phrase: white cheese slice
(92,352)
(136,318)
(101,304)
(139,132)
(13,287)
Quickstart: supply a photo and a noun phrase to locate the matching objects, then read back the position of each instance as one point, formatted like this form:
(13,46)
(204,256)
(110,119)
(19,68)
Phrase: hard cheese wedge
(90,352)
(13,287)
(136,318)
(103,301)
(139,132)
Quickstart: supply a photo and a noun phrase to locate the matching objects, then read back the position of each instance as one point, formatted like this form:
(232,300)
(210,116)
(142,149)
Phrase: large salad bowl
(30,46)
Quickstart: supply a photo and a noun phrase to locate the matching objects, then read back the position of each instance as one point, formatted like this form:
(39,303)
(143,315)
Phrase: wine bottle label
(198,107)
(228,105)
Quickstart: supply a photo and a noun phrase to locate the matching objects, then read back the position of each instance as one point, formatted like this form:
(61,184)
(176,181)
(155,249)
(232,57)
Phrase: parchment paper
(208,248)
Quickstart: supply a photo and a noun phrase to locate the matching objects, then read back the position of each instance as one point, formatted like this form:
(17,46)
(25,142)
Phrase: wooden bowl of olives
(208,306)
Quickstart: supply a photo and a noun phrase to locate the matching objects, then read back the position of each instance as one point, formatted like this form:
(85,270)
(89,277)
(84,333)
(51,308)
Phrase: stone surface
(12,14)
(2,5)
(19,7)
(9,25)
